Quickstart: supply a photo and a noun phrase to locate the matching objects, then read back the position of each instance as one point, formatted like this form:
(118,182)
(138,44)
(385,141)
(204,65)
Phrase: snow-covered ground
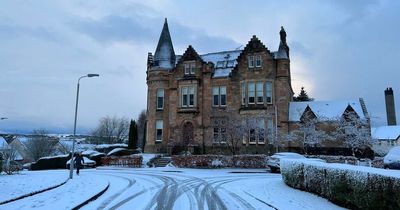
(169,188)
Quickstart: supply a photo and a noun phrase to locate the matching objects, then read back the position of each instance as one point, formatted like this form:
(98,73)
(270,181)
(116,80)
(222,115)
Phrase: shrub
(355,187)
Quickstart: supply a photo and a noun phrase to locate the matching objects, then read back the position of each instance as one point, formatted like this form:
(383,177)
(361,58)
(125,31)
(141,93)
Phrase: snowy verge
(355,187)
(25,183)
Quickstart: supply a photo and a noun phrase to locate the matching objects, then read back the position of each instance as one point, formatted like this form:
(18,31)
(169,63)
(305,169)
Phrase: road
(218,189)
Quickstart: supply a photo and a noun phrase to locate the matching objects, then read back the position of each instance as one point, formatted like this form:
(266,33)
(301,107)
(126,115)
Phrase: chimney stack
(390,110)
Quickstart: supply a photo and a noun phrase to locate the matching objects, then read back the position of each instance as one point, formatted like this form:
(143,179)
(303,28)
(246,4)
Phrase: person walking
(78,162)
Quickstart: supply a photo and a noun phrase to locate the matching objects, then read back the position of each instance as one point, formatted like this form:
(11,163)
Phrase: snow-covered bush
(220,161)
(355,187)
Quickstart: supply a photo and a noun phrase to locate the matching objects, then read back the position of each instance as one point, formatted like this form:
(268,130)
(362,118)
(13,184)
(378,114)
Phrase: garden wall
(134,161)
(354,187)
(220,161)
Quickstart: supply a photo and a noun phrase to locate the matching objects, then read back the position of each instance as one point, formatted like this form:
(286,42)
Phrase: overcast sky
(339,50)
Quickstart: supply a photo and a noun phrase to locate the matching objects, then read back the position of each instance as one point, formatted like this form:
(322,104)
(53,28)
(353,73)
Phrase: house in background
(385,137)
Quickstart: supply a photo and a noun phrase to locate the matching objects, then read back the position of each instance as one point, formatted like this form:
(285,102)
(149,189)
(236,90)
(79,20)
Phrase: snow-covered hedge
(55,162)
(377,162)
(355,187)
(134,161)
(220,161)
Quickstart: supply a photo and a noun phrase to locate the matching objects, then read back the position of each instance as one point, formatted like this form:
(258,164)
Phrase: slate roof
(324,109)
(386,132)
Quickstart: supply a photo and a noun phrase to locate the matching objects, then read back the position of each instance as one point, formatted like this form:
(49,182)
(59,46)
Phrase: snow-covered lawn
(174,188)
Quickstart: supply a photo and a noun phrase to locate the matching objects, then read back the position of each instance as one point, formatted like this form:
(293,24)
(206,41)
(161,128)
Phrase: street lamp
(71,164)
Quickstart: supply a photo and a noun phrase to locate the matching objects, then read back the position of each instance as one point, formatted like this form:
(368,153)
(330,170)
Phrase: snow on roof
(324,109)
(386,132)
(115,151)
(3,143)
(105,146)
(223,62)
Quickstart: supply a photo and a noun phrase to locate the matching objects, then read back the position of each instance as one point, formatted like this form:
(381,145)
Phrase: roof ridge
(225,51)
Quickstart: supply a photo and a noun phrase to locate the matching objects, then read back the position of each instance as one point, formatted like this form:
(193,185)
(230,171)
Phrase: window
(220,64)
(160,99)
(261,131)
(188,94)
(159,130)
(268,92)
(251,61)
(243,89)
(190,68)
(219,96)
(270,128)
(187,68)
(252,136)
(215,91)
(260,92)
(219,131)
(230,63)
(251,92)
(258,60)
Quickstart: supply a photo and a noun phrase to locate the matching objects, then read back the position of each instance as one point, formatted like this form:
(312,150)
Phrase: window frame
(269,92)
(159,127)
(257,58)
(251,92)
(250,61)
(160,91)
(188,94)
(259,89)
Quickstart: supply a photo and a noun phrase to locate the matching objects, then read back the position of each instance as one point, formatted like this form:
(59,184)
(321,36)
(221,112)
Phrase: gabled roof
(324,109)
(386,132)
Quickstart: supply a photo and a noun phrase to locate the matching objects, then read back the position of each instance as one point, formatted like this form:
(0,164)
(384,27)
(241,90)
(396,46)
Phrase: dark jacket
(79,161)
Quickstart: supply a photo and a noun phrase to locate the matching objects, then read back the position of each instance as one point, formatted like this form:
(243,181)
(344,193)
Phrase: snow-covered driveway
(174,188)
(167,188)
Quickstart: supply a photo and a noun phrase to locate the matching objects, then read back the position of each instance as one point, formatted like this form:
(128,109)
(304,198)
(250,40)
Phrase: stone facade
(192,98)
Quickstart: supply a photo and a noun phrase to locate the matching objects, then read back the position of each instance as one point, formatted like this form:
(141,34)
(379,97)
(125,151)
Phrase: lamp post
(71,164)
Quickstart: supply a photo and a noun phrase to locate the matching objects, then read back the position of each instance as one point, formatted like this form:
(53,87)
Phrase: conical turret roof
(164,57)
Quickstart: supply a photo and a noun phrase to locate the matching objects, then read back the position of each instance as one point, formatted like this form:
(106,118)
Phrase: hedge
(56,162)
(134,161)
(220,161)
(354,187)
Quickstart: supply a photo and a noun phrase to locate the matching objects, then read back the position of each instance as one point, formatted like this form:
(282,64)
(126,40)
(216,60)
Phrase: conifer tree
(133,135)
(303,96)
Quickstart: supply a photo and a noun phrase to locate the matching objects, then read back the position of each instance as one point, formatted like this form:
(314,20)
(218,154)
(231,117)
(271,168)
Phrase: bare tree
(234,128)
(141,124)
(353,131)
(308,133)
(39,144)
(9,154)
(111,130)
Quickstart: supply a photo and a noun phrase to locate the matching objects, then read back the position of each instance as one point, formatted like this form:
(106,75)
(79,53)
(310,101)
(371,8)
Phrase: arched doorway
(187,133)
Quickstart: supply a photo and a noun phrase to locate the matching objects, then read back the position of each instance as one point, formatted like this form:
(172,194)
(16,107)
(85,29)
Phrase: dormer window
(230,64)
(220,64)
(190,68)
